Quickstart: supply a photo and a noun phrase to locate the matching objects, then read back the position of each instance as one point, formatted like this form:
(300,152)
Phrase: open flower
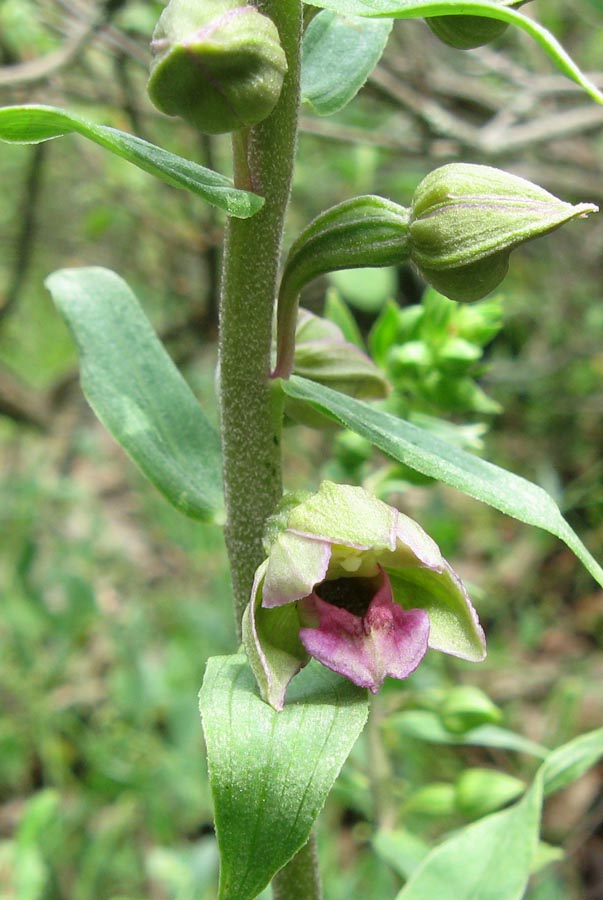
(359,586)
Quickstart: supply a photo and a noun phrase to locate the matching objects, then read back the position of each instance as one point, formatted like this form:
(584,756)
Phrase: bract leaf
(423,9)
(426,453)
(137,392)
(338,55)
(270,772)
(34,124)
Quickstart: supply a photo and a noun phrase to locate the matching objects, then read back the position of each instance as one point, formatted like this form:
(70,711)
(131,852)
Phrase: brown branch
(25,239)
(22,404)
(44,67)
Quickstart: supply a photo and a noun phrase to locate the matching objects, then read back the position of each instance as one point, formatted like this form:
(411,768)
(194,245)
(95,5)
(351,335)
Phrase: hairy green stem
(299,880)
(251,403)
(251,421)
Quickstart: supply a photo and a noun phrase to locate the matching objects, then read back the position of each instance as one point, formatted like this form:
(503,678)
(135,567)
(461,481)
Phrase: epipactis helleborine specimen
(359,586)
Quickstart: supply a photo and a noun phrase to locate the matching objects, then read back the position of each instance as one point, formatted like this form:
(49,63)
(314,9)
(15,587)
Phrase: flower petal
(387,641)
(295,565)
(455,628)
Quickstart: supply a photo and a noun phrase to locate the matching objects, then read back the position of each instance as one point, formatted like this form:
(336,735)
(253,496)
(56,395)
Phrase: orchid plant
(334,591)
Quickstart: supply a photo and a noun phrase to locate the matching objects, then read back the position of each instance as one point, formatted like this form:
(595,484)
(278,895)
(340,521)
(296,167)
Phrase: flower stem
(250,402)
(299,880)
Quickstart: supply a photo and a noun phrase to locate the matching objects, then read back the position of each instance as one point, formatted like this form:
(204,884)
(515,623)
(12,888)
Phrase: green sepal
(454,628)
(274,650)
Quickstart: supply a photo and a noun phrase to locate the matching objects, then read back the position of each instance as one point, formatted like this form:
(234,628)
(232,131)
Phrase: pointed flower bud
(217,63)
(466,219)
(359,586)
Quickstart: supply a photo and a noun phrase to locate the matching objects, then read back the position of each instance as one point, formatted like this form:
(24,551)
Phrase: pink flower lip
(354,627)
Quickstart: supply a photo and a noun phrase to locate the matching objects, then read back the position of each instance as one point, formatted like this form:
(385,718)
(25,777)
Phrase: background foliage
(112,602)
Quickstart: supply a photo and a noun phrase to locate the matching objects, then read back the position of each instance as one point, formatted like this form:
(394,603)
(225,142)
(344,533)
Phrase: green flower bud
(217,64)
(466,219)
(467,707)
(483,791)
(468,32)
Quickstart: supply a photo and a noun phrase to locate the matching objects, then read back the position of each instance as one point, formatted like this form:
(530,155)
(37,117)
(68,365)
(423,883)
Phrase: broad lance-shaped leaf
(428,454)
(423,9)
(271,772)
(34,124)
(493,858)
(490,859)
(338,55)
(137,392)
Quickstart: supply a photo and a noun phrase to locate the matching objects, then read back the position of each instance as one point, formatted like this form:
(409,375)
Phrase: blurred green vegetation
(111,602)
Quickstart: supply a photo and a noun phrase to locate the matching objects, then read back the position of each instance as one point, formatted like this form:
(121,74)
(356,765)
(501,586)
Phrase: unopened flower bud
(466,219)
(466,32)
(217,64)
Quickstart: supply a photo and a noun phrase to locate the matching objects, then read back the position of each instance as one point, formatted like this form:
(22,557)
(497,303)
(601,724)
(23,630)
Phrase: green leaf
(426,453)
(414,9)
(137,392)
(337,311)
(31,871)
(493,858)
(490,859)
(400,849)
(270,772)
(338,55)
(567,763)
(34,124)
(427,726)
